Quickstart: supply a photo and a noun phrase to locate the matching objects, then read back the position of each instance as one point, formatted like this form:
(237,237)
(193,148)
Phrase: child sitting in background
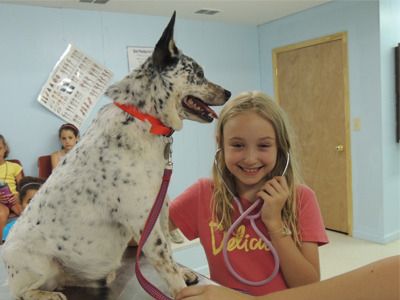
(69,136)
(27,188)
(10,175)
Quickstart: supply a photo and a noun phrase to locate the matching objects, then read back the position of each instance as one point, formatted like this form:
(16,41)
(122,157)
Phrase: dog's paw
(190,277)
(43,295)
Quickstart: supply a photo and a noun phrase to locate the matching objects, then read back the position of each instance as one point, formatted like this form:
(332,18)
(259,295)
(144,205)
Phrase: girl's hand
(8,198)
(274,193)
(211,292)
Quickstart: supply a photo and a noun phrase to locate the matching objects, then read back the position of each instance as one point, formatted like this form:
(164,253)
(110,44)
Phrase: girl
(10,174)
(69,136)
(27,188)
(254,146)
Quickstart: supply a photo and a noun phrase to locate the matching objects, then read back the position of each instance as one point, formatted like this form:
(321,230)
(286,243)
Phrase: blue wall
(373,30)
(33,39)
(390,36)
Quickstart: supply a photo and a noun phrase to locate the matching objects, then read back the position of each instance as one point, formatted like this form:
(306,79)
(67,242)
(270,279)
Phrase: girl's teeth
(254,170)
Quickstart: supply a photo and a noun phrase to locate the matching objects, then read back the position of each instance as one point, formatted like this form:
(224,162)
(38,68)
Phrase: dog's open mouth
(197,107)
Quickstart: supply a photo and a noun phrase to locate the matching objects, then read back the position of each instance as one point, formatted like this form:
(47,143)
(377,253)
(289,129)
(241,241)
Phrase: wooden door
(311,84)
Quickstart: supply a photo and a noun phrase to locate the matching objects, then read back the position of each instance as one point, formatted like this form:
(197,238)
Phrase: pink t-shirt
(191,212)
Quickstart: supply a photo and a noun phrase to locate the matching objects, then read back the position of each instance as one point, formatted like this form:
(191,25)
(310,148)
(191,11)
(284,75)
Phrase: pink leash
(151,220)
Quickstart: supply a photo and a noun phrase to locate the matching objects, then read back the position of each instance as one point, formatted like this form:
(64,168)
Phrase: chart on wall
(137,56)
(74,86)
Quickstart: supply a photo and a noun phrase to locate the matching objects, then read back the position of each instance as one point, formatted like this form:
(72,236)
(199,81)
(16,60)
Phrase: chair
(17,162)
(44,165)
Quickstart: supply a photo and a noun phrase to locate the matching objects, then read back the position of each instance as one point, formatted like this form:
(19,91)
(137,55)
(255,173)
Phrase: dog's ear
(166,53)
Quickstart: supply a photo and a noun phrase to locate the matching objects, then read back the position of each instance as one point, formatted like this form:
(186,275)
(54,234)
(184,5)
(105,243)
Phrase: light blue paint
(389,16)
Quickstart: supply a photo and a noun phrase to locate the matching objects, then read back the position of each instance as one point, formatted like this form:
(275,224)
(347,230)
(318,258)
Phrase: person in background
(254,147)
(10,175)
(27,188)
(69,136)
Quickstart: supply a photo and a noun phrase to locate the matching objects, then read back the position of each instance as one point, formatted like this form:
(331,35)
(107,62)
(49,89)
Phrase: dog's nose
(227,94)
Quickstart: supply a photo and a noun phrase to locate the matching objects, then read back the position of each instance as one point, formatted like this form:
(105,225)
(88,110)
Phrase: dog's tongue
(199,105)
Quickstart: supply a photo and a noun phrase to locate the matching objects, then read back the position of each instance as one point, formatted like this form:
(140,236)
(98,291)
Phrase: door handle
(339,148)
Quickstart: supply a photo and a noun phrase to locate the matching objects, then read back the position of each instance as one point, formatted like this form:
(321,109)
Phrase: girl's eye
(236,145)
(264,146)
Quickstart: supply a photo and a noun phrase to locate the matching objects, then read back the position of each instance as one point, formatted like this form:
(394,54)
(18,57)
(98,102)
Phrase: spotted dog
(75,230)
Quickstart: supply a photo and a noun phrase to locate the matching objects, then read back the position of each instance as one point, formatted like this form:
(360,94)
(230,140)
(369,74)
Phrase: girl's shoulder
(305,195)
(204,184)
(13,165)
(303,189)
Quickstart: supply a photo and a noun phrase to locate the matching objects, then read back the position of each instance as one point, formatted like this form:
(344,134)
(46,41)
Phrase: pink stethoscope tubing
(252,218)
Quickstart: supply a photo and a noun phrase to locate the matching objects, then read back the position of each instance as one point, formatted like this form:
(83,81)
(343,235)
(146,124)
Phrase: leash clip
(168,152)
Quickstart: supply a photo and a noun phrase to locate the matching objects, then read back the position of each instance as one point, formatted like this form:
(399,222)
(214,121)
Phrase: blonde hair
(269,110)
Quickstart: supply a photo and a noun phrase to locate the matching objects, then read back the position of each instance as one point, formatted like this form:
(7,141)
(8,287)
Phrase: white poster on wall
(74,86)
(137,56)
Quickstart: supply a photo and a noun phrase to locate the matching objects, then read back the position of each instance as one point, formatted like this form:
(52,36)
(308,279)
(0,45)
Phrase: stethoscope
(252,218)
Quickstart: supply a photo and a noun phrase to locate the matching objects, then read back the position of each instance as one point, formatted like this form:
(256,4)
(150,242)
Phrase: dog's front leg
(158,252)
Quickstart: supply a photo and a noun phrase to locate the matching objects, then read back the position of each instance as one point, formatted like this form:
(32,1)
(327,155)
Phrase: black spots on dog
(38,222)
(65,238)
(64,162)
(118,137)
(160,103)
(128,120)
(158,242)
(161,254)
(60,248)
(101,158)
(141,104)
(118,199)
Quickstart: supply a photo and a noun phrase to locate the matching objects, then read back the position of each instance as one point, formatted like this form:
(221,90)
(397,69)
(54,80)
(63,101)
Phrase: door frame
(344,39)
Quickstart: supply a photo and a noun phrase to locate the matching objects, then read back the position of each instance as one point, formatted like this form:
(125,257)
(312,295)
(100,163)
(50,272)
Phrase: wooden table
(125,286)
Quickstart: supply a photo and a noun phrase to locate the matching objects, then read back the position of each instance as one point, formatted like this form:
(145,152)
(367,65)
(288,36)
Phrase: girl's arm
(54,159)
(378,280)
(18,177)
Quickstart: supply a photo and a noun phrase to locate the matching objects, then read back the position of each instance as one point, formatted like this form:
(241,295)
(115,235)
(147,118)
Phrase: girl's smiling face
(250,150)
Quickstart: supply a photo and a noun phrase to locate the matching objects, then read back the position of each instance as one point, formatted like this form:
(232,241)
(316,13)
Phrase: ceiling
(245,12)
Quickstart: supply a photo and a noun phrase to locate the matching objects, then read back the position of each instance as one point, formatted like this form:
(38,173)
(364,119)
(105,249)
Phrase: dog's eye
(200,73)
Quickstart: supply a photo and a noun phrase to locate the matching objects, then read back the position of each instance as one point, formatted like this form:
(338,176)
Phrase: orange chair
(44,165)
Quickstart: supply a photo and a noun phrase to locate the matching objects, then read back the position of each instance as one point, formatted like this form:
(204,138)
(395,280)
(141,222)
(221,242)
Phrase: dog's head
(170,85)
